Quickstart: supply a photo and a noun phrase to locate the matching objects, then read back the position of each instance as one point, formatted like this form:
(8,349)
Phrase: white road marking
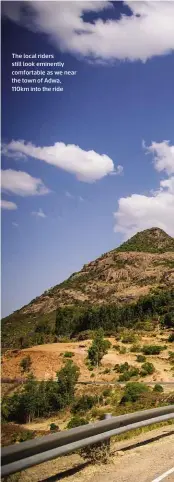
(163,476)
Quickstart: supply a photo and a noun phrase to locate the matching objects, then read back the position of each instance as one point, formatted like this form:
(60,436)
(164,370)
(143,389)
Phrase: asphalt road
(147,463)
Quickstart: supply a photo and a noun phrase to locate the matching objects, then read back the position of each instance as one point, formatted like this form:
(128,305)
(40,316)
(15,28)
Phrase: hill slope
(138,267)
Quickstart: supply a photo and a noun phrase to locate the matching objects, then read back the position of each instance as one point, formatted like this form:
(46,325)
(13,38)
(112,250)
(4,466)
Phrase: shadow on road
(145,442)
(66,473)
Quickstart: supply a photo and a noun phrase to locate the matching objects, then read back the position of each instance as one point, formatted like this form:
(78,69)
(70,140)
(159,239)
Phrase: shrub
(68,354)
(147,369)
(133,392)
(54,427)
(171,338)
(107,392)
(129,338)
(135,348)
(123,350)
(141,358)
(84,403)
(124,377)
(152,349)
(107,370)
(26,363)
(171,357)
(76,421)
(158,388)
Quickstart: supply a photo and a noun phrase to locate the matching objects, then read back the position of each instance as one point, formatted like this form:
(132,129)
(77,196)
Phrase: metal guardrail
(16,458)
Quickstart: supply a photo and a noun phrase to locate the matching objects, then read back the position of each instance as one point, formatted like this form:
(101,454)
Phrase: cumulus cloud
(163,155)
(39,213)
(88,166)
(9,205)
(21,183)
(138,212)
(146,32)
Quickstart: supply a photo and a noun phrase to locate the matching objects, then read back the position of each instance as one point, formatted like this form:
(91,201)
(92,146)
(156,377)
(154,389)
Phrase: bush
(171,338)
(83,404)
(26,363)
(135,348)
(54,427)
(107,392)
(141,358)
(124,377)
(107,370)
(147,369)
(129,338)
(158,388)
(68,354)
(123,350)
(76,421)
(133,392)
(152,349)
(171,357)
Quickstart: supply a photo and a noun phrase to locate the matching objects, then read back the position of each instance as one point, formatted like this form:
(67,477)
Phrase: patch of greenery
(133,392)
(76,421)
(36,399)
(141,358)
(152,349)
(147,368)
(150,241)
(158,388)
(83,404)
(98,348)
(26,363)
(68,354)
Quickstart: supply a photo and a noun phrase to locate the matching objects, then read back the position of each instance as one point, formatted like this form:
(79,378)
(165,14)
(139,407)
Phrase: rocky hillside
(139,266)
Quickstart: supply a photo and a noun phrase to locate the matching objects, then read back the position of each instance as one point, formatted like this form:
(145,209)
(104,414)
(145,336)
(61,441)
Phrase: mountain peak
(153,240)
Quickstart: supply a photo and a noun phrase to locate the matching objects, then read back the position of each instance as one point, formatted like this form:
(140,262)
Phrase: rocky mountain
(138,267)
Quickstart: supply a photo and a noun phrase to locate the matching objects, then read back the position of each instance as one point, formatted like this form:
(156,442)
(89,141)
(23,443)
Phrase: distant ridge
(140,266)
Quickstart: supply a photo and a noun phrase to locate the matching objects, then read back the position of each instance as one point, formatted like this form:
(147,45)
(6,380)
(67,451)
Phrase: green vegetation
(98,349)
(158,388)
(141,358)
(150,241)
(76,421)
(36,399)
(129,338)
(126,371)
(84,403)
(82,319)
(68,354)
(152,349)
(147,369)
(26,363)
(54,427)
(133,392)
(171,338)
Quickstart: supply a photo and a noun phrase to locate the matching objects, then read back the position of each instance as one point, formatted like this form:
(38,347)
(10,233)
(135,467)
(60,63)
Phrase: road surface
(153,462)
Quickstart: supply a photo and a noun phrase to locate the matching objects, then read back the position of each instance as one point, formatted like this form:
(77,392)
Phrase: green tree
(66,380)
(98,349)
(134,391)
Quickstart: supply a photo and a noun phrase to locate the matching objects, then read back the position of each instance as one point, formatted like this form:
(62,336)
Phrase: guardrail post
(108,442)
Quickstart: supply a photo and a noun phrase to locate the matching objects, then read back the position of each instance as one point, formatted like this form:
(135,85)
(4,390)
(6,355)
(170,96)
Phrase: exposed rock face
(143,263)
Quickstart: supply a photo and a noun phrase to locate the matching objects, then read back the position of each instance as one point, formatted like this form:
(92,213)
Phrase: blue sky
(122,95)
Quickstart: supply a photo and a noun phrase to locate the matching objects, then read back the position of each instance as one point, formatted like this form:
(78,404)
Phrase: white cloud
(147,32)
(163,156)
(39,214)
(15,225)
(138,212)
(21,183)
(69,195)
(88,166)
(117,171)
(9,205)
